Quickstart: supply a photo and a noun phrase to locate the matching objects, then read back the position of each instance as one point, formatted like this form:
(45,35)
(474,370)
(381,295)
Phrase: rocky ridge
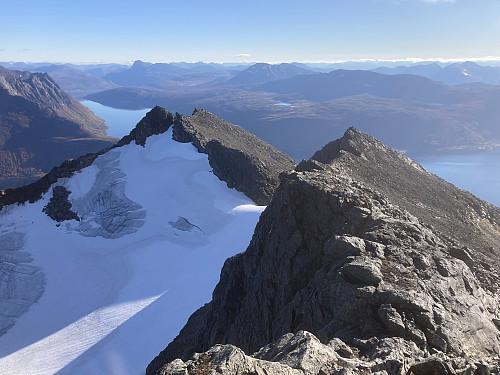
(382,266)
(238,157)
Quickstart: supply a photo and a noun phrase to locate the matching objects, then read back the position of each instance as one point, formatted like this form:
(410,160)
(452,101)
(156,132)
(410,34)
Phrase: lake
(119,121)
(477,172)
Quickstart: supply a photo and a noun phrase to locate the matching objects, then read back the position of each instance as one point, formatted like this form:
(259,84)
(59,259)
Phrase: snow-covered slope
(156,226)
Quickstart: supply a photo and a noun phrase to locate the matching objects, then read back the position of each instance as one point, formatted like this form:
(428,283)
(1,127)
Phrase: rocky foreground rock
(362,263)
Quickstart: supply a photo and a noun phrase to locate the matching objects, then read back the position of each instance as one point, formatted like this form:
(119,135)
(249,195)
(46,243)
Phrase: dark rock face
(238,157)
(364,246)
(458,215)
(41,126)
(59,208)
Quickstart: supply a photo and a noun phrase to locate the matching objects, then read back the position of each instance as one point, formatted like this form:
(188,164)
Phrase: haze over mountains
(294,108)
(261,73)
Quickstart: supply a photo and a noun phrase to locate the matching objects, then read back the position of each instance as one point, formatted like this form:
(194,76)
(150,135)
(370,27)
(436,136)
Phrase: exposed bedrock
(343,253)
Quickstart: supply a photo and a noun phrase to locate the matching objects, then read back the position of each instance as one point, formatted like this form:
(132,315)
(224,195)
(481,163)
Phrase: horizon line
(412,60)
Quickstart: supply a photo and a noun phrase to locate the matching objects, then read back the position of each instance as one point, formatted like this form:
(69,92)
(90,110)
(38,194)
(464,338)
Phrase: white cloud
(243,55)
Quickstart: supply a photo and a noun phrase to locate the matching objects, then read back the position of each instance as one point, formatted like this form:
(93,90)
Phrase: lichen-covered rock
(226,360)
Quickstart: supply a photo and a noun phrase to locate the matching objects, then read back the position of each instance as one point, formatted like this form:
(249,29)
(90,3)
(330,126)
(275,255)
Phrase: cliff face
(41,125)
(372,255)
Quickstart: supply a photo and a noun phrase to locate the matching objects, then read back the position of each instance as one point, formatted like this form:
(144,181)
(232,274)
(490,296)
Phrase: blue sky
(241,30)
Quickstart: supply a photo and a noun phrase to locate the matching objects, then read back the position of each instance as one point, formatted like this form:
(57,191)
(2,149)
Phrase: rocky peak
(366,250)
(156,121)
(457,214)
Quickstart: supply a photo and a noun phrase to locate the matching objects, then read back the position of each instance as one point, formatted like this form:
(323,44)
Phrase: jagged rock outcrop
(303,354)
(34,191)
(41,126)
(238,157)
(361,245)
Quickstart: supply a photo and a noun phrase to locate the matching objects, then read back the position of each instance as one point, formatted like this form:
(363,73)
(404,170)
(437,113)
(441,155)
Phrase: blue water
(119,121)
(477,172)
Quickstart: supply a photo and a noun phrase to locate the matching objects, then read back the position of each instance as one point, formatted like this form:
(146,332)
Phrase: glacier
(156,226)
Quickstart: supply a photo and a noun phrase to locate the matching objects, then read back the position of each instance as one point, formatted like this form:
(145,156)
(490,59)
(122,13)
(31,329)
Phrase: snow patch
(82,181)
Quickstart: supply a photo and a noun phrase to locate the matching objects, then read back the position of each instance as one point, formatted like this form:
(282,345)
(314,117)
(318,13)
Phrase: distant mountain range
(261,73)
(337,84)
(40,126)
(452,74)
(172,75)
(407,112)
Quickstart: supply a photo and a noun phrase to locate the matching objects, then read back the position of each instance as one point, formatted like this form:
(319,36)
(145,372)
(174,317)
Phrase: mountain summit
(363,263)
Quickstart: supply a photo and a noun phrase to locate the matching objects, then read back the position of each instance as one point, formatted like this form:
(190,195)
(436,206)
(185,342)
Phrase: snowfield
(156,227)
